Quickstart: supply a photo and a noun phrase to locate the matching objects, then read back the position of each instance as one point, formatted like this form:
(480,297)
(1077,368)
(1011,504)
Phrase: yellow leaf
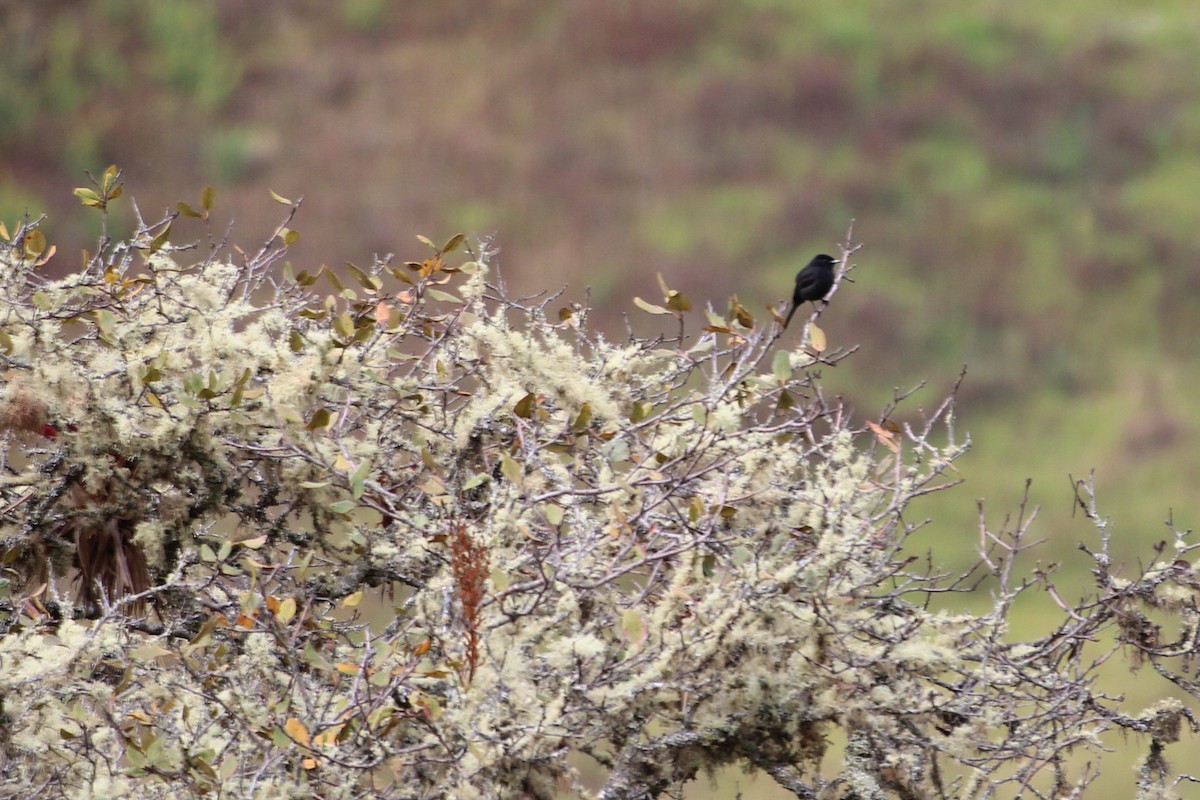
(886,438)
(740,313)
(287,610)
(35,243)
(296,729)
(816,337)
(328,736)
(650,308)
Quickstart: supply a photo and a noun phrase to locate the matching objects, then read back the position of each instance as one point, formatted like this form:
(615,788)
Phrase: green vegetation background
(1024,176)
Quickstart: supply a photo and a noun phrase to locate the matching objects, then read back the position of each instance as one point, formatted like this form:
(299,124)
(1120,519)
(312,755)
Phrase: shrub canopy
(397,534)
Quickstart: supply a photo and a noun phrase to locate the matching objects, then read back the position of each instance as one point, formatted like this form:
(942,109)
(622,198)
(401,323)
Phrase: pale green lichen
(698,572)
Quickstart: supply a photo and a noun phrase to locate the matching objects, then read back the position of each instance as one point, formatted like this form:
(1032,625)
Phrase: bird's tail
(791,314)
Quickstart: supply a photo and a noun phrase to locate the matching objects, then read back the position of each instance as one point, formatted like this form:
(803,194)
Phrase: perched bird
(812,283)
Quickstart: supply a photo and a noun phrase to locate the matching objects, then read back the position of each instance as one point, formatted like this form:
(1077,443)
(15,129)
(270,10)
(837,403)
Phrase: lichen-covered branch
(395,533)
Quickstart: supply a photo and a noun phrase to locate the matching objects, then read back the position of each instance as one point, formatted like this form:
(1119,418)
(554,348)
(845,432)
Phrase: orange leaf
(886,438)
(296,729)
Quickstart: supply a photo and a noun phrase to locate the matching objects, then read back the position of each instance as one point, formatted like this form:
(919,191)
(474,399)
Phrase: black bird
(812,283)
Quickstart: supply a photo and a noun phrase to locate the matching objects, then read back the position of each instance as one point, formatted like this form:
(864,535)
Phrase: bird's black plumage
(812,283)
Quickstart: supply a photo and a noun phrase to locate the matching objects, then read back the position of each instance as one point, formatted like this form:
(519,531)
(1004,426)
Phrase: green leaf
(207,197)
(278,198)
(108,179)
(633,626)
(105,320)
(89,198)
(525,406)
(510,469)
(677,301)
(781,365)
(616,450)
(478,479)
(334,280)
(344,325)
(358,479)
(452,244)
(500,580)
(161,239)
(342,506)
(445,297)
(369,282)
(136,759)
(321,420)
(583,419)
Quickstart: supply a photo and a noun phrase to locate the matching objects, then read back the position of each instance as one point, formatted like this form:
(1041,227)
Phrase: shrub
(412,537)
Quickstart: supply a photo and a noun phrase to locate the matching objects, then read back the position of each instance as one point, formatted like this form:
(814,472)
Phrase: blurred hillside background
(1025,178)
